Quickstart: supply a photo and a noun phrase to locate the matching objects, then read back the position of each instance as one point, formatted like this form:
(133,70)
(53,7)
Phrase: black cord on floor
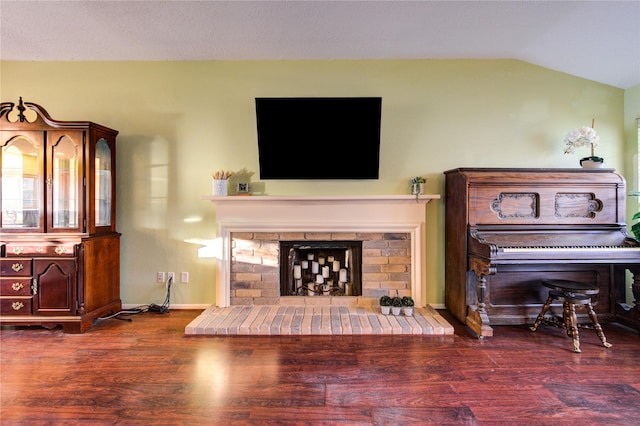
(162,309)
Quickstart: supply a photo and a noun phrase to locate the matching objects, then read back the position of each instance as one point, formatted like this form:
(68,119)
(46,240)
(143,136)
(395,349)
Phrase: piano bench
(571,293)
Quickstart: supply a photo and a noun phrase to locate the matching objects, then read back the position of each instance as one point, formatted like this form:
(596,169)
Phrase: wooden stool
(571,293)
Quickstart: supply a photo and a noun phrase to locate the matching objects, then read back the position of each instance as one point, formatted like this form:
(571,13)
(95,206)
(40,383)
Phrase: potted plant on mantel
(385,305)
(584,136)
(417,186)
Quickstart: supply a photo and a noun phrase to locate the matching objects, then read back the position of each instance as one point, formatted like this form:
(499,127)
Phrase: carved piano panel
(543,205)
(506,229)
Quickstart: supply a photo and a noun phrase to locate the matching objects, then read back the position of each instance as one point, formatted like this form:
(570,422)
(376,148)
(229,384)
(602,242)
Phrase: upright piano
(507,229)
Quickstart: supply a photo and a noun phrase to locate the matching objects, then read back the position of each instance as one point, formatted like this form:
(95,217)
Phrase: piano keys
(506,229)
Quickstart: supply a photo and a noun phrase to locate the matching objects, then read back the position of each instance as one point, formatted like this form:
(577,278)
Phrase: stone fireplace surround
(383,219)
(255,268)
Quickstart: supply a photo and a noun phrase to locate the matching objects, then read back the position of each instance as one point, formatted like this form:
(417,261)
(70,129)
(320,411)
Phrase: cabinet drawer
(40,249)
(15,305)
(15,267)
(15,287)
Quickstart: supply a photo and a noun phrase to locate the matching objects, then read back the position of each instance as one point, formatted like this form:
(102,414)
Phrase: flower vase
(417,188)
(591,162)
(219,187)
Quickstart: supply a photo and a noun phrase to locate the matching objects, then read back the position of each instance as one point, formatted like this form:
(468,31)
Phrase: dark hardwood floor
(148,372)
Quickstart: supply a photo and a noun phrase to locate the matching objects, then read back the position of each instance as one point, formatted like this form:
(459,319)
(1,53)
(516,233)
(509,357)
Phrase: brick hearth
(311,320)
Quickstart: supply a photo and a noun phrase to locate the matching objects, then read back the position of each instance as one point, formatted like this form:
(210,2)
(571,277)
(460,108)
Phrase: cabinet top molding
(13,115)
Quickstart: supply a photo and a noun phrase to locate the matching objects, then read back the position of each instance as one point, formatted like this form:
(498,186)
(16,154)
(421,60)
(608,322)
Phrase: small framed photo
(243,188)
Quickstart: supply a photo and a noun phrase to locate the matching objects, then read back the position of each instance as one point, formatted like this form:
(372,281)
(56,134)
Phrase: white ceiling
(597,40)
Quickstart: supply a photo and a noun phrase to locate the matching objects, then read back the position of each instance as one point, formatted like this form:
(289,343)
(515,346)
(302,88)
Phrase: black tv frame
(319,138)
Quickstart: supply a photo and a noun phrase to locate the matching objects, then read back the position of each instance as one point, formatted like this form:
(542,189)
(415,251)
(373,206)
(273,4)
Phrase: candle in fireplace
(325,271)
(297,272)
(336,265)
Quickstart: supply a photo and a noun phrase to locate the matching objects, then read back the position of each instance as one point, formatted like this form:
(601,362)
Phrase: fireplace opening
(320,268)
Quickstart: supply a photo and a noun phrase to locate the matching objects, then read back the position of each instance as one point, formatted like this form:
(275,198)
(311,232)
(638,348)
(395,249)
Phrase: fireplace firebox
(320,268)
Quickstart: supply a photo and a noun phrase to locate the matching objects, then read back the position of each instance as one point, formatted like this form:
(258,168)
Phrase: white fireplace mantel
(321,199)
(322,213)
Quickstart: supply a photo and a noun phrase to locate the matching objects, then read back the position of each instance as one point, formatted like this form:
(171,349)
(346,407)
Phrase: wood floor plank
(312,415)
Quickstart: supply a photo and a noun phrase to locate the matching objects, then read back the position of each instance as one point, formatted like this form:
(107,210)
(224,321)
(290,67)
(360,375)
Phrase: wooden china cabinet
(59,248)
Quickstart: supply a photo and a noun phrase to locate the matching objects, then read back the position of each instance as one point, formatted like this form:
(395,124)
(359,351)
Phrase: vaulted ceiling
(596,40)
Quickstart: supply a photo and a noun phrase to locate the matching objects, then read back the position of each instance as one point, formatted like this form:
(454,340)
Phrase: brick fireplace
(391,229)
(255,267)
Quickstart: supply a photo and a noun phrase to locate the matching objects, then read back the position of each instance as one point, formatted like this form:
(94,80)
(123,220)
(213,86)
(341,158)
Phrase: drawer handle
(17,286)
(60,250)
(17,306)
(17,267)
(18,250)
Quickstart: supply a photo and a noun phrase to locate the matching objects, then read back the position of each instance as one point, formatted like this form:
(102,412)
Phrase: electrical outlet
(160,277)
(171,276)
(184,277)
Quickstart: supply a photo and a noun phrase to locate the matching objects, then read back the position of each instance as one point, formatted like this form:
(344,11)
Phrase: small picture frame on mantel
(243,188)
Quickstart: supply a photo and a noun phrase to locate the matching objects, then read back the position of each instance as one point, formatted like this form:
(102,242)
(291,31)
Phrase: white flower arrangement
(583,136)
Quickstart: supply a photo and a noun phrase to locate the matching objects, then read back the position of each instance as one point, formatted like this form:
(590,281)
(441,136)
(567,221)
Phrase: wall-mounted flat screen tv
(319,138)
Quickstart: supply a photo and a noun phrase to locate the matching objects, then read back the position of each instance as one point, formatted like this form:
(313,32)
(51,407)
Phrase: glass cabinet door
(64,186)
(103,183)
(21,172)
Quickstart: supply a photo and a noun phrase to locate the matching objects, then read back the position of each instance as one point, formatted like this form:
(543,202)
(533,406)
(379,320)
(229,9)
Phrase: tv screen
(319,138)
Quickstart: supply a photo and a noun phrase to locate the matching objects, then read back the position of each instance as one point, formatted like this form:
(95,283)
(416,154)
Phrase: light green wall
(180,121)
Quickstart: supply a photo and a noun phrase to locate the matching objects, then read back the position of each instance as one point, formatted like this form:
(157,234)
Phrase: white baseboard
(173,306)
